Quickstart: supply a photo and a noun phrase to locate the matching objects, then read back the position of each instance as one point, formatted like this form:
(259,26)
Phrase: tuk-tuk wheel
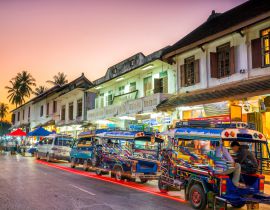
(72,163)
(197,197)
(85,165)
(98,172)
(118,173)
(37,156)
(143,181)
(162,187)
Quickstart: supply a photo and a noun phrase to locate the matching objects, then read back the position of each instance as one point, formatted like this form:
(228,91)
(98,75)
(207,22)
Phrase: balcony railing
(140,105)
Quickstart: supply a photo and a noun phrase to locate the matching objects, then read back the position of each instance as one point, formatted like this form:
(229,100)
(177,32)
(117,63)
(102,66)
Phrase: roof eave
(217,35)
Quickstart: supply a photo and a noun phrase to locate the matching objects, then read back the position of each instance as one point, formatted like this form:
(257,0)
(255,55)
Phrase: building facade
(61,109)
(130,91)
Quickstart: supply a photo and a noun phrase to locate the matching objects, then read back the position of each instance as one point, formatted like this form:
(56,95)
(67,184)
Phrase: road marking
(82,190)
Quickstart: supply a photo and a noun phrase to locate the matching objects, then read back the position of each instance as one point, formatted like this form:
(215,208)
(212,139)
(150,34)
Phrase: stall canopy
(17,132)
(39,132)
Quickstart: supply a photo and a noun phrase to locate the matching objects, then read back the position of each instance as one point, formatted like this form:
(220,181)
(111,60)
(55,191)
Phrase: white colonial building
(225,60)
(131,90)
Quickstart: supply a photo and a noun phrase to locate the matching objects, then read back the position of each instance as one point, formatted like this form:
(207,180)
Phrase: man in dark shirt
(245,158)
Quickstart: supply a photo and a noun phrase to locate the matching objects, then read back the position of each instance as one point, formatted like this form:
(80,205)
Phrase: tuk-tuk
(128,154)
(199,172)
(81,151)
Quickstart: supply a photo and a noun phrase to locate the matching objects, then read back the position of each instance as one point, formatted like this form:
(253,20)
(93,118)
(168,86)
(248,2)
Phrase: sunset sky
(75,36)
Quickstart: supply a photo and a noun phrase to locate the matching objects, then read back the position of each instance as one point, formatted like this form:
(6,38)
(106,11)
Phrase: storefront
(248,101)
(72,130)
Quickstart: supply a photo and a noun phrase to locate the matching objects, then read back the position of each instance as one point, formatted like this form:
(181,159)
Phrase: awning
(48,123)
(236,90)
(39,132)
(17,132)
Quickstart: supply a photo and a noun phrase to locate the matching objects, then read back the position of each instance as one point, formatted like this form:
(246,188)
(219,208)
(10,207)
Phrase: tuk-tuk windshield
(85,142)
(63,141)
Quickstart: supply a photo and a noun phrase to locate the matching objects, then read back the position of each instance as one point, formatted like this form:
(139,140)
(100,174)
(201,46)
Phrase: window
(101,96)
(49,141)
(41,111)
(161,85)
(147,86)
(54,106)
(265,36)
(223,60)
(23,114)
(79,108)
(13,118)
(121,90)
(63,112)
(109,98)
(189,71)
(132,86)
(18,116)
(47,109)
(70,111)
(29,112)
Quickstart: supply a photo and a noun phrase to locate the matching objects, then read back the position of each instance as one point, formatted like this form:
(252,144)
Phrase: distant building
(61,109)
(130,91)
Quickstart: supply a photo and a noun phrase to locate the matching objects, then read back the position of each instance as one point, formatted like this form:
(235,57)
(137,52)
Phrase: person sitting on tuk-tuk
(245,158)
(223,153)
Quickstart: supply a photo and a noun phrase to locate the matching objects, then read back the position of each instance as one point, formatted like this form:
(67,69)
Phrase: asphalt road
(27,185)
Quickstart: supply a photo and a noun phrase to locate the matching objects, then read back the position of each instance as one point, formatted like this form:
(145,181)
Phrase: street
(27,185)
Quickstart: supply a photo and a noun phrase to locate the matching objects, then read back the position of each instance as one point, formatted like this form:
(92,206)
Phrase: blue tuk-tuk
(193,166)
(128,154)
(82,151)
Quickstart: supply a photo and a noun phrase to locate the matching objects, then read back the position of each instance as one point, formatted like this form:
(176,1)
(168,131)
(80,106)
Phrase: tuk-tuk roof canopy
(217,134)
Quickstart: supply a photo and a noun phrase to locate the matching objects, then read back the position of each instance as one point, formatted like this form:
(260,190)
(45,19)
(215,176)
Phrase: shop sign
(134,106)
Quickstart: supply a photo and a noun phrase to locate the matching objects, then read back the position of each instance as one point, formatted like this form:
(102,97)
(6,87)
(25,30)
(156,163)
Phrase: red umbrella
(18,132)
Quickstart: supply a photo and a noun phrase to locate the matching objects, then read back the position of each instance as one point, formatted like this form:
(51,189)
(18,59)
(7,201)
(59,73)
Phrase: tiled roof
(220,22)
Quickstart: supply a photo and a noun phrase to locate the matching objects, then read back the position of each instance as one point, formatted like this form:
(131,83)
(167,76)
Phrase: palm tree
(15,96)
(3,114)
(21,87)
(39,90)
(26,82)
(59,79)
(3,111)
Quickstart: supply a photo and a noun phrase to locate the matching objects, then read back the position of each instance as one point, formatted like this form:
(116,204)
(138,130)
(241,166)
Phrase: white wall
(64,100)
(243,59)
(138,78)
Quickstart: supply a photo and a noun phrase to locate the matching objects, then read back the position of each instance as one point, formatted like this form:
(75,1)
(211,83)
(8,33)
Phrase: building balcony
(140,105)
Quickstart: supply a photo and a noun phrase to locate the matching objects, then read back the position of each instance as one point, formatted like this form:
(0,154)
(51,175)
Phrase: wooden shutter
(213,65)
(197,70)
(157,85)
(165,84)
(182,76)
(232,60)
(256,54)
